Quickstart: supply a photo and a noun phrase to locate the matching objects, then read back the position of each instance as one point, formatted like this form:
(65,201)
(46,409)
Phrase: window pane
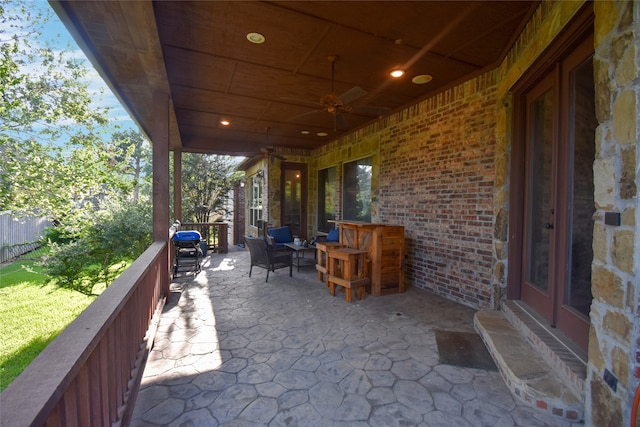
(327,198)
(255,200)
(357,190)
(292,203)
(541,143)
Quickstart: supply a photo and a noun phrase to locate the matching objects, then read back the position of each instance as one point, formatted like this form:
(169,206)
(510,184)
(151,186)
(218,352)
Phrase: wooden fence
(19,236)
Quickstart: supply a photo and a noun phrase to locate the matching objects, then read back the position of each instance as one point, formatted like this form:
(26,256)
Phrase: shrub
(69,263)
(117,234)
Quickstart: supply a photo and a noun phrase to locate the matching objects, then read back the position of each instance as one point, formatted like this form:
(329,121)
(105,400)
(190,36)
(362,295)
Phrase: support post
(177,185)
(160,144)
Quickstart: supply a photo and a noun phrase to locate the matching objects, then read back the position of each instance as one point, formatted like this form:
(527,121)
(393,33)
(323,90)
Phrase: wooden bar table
(385,249)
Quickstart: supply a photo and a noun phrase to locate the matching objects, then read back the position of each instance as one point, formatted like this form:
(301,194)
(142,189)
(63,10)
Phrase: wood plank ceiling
(274,93)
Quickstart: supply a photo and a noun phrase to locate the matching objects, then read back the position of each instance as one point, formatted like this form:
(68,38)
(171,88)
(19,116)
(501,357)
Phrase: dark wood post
(160,139)
(177,185)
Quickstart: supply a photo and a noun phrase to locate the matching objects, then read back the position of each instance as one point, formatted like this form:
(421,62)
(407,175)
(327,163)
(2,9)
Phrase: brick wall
(433,173)
(437,178)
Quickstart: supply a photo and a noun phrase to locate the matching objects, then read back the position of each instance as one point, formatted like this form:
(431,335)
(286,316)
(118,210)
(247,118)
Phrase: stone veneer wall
(614,336)
(273,186)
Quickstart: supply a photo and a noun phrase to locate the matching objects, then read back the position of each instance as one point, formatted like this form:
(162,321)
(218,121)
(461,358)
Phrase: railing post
(223,239)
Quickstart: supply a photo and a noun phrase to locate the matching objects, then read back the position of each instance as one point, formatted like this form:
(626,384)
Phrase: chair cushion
(281,234)
(333,236)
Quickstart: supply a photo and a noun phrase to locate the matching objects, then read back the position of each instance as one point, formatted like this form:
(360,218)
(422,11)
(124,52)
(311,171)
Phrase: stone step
(527,374)
(568,361)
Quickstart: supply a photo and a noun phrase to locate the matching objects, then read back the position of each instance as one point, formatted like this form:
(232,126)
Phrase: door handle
(549,226)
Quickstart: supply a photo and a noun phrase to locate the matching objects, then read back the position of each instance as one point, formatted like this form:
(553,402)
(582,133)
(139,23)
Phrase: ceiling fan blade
(270,152)
(255,157)
(369,110)
(305,114)
(301,101)
(352,94)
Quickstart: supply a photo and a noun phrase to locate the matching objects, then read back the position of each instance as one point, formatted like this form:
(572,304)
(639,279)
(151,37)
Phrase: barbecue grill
(188,252)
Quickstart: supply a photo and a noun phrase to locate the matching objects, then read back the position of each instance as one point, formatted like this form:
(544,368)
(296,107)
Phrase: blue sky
(56,31)
(56,35)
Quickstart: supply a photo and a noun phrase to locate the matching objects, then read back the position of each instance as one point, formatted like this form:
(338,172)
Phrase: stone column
(614,356)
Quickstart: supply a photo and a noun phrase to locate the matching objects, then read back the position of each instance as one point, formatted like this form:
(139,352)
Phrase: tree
(43,91)
(134,150)
(206,183)
(59,182)
(54,162)
(44,97)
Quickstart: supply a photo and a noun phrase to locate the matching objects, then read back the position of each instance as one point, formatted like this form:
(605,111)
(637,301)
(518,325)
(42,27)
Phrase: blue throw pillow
(333,236)
(281,234)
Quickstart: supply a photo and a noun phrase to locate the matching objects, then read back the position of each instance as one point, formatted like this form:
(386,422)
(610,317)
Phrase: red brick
(437,179)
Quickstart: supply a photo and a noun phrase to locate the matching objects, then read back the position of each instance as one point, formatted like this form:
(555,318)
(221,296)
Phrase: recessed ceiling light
(256,38)
(305,132)
(397,73)
(322,134)
(225,122)
(422,79)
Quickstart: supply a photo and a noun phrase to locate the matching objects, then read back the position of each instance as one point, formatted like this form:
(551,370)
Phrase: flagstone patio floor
(232,350)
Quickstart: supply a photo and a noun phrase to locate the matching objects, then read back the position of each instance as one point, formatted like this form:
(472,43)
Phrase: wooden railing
(90,374)
(214,233)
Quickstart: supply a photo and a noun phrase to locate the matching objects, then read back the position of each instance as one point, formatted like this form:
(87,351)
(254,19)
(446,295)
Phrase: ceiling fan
(268,151)
(337,105)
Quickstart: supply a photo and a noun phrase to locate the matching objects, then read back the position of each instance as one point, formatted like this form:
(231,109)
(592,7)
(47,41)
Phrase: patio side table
(298,260)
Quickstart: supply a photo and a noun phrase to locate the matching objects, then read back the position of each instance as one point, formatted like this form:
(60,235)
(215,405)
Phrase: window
(356,191)
(327,198)
(255,200)
(294,197)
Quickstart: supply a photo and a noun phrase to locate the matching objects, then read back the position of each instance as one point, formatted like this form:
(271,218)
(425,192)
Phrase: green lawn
(32,314)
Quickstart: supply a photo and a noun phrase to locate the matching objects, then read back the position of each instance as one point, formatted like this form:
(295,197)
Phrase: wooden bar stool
(321,258)
(348,268)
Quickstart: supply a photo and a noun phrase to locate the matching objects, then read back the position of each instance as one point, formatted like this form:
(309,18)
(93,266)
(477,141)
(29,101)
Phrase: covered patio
(450,159)
(234,350)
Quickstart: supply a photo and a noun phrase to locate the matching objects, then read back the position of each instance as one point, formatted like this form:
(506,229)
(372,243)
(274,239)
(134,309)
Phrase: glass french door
(294,198)
(557,232)
(539,250)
